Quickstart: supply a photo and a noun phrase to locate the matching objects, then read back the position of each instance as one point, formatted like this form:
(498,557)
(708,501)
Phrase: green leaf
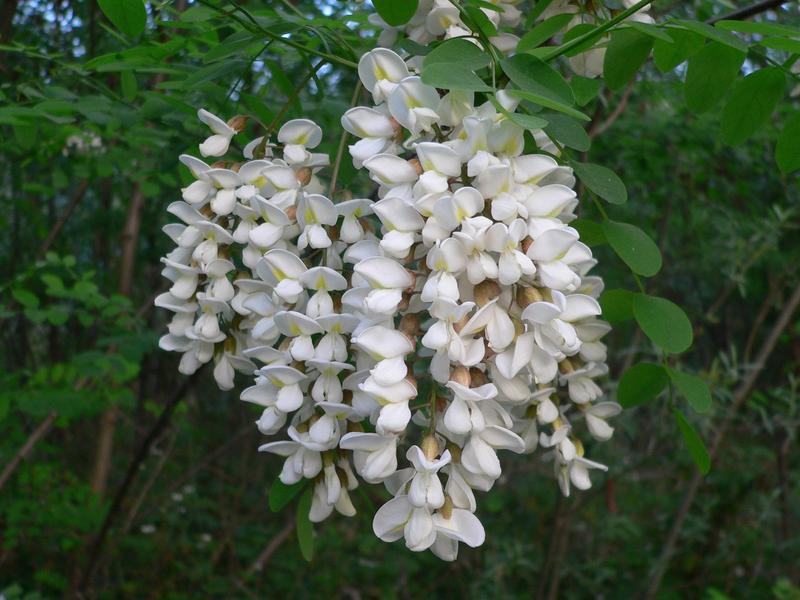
(591,232)
(129,16)
(568,131)
(450,76)
(760,28)
(694,389)
(634,247)
(396,12)
(305,530)
(128,83)
(25,298)
(477,20)
(709,75)
(694,443)
(790,46)
(281,494)
(529,122)
(585,89)
(787,150)
(664,322)
(641,383)
(459,52)
(5,402)
(538,8)
(668,55)
(655,32)
(712,33)
(626,53)
(579,31)
(543,32)
(751,103)
(602,181)
(537,77)
(617,305)
(451,64)
(548,103)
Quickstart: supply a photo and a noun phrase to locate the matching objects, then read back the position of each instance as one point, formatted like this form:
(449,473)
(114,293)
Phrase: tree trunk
(108,422)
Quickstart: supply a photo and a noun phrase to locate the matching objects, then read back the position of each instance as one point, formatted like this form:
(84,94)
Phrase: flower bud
(526,243)
(486,291)
(447,508)
(477,377)
(430,447)
(238,123)
(303,175)
(528,295)
(461,375)
(409,325)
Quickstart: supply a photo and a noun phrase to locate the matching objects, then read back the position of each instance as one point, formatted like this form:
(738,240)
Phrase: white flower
(393,399)
(513,264)
(374,455)
(398,518)
(464,413)
(314,211)
(299,328)
(380,70)
(425,488)
(401,224)
(282,270)
(297,135)
(388,279)
(596,419)
(413,104)
(217,144)
(375,129)
(446,260)
(273,225)
(303,457)
(351,230)
(448,343)
(460,526)
(479,455)
(480,264)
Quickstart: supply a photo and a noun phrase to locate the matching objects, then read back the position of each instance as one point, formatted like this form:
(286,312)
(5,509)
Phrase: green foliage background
(94,113)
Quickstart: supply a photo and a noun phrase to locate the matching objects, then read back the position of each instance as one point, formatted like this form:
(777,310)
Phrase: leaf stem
(596,33)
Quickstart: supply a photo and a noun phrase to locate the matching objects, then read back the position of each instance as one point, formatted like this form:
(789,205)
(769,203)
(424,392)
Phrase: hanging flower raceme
(411,340)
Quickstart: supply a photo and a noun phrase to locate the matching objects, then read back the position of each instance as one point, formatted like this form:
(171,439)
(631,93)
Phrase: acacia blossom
(410,339)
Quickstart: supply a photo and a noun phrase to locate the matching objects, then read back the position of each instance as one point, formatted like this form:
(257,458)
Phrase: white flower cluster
(441,19)
(453,315)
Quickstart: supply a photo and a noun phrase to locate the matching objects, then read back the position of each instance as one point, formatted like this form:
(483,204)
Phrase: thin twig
(96,547)
(748,11)
(77,195)
(600,128)
(42,430)
(272,547)
(741,394)
(337,164)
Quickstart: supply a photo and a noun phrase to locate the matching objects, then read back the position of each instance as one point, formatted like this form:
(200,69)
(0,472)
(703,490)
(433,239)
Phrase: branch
(42,430)
(748,11)
(133,469)
(739,398)
(56,229)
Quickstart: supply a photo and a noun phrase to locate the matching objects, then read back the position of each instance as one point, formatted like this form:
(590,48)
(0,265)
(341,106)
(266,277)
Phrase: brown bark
(108,422)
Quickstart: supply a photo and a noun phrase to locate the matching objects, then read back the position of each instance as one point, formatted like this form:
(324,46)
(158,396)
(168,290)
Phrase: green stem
(279,38)
(596,33)
(340,150)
